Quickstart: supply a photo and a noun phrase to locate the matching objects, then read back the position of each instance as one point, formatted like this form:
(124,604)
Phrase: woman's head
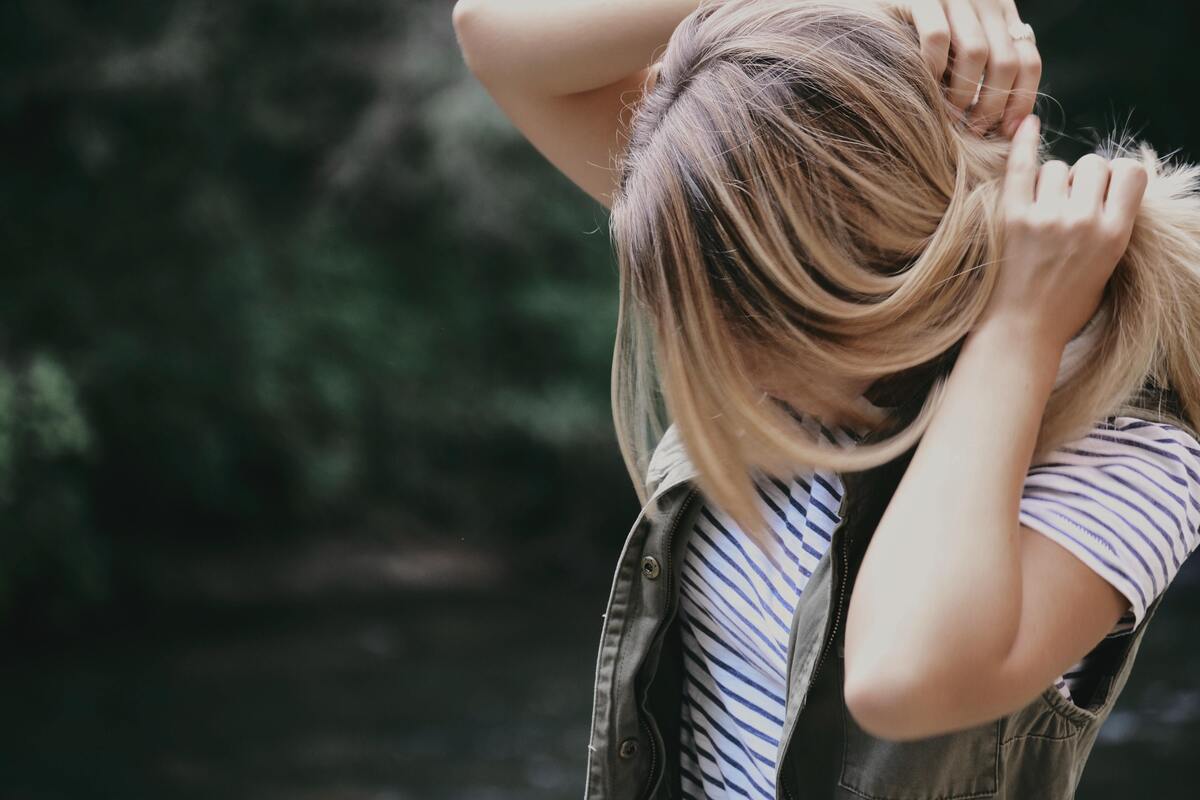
(799,217)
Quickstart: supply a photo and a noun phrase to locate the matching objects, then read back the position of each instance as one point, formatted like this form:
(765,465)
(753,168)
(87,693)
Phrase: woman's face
(796,385)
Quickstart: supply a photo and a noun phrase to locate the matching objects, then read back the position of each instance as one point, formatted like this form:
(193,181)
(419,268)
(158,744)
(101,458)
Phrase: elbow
(881,705)
(886,686)
(902,706)
(464,17)
(467,22)
(892,705)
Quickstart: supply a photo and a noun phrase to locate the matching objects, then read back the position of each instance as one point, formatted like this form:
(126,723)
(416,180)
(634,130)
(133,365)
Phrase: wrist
(1020,334)
(1011,346)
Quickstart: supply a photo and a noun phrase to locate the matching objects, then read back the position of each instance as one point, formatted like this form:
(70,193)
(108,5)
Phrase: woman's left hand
(954,592)
(1065,229)
(972,40)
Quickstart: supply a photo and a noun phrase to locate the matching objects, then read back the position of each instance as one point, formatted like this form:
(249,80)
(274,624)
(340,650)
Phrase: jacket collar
(669,464)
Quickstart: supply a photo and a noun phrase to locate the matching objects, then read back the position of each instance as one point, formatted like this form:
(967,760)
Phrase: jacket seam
(967,796)
(625,611)
(996,756)
(634,607)
(1045,737)
(1074,715)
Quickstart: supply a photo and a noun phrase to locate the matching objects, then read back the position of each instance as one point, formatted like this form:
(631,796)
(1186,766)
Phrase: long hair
(795,186)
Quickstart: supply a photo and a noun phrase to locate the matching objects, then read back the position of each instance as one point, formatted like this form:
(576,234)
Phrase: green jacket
(1037,751)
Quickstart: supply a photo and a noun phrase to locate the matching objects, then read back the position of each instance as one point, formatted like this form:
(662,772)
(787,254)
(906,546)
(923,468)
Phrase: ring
(1021,30)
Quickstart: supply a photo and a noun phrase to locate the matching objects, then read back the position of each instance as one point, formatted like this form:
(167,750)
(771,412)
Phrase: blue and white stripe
(1125,500)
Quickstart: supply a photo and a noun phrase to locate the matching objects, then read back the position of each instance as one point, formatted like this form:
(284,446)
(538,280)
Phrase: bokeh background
(308,487)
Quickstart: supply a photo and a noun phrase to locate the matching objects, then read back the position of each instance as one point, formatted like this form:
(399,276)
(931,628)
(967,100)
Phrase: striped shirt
(1125,500)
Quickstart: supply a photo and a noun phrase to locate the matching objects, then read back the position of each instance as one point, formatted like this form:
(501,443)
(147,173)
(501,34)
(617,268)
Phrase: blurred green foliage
(272,264)
(49,557)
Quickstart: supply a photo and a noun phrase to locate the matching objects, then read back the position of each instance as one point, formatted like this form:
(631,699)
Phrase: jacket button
(629,748)
(650,567)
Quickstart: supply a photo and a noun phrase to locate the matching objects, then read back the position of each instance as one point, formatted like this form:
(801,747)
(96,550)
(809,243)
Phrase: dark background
(308,487)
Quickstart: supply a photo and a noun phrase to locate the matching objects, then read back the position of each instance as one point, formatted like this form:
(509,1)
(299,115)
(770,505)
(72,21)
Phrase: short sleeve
(1125,500)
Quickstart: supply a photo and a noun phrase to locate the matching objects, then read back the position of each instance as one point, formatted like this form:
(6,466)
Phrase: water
(407,695)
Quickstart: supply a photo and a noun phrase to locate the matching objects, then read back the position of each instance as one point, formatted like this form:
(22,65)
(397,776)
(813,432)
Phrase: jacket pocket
(954,766)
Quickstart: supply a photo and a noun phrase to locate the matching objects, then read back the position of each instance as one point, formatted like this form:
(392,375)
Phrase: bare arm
(567,72)
(960,614)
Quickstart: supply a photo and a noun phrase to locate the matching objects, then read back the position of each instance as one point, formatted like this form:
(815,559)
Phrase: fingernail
(1031,123)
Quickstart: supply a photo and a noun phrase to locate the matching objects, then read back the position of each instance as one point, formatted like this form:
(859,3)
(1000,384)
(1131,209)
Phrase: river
(465,694)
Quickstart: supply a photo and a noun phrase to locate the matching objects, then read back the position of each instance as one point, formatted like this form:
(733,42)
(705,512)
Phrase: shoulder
(1125,499)
(1135,471)
(1155,455)
(1162,438)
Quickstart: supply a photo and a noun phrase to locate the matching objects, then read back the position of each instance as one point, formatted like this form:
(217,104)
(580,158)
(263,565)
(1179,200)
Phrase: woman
(872,319)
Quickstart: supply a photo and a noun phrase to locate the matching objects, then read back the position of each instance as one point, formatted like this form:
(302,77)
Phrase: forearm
(937,602)
(558,47)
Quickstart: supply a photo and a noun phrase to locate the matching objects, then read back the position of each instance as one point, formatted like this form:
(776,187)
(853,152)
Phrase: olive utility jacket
(1037,751)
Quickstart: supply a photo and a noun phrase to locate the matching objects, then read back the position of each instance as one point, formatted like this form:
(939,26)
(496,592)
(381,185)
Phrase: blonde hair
(795,184)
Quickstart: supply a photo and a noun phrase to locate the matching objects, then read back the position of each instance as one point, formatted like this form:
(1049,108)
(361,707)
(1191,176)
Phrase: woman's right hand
(971,39)
(1066,229)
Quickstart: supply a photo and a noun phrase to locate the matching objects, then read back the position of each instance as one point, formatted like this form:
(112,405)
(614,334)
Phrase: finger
(1088,182)
(1126,188)
(934,32)
(1025,86)
(1020,175)
(969,52)
(1051,183)
(999,73)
